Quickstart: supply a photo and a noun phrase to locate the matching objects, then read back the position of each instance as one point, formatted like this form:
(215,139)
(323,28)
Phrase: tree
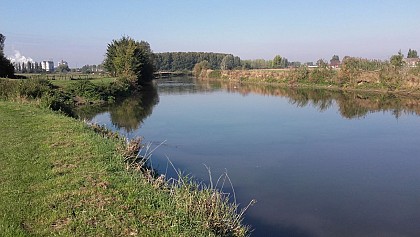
(6,67)
(412,54)
(335,61)
(63,68)
(228,62)
(321,63)
(200,67)
(131,60)
(279,62)
(2,39)
(397,60)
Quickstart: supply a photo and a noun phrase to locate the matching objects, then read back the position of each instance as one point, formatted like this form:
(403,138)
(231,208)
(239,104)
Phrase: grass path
(59,178)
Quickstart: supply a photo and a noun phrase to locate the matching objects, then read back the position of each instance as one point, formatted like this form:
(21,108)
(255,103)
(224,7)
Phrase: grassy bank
(385,79)
(59,177)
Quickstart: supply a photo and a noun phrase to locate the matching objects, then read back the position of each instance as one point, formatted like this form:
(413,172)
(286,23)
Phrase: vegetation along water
(318,162)
(306,141)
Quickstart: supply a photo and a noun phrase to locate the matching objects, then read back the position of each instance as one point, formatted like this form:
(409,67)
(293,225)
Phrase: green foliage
(58,101)
(352,68)
(321,63)
(215,74)
(322,75)
(300,74)
(279,62)
(2,39)
(60,178)
(335,61)
(34,88)
(397,60)
(180,61)
(8,89)
(200,67)
(86,89)
(6,67)
(91,68)
(63,68)
(390,77)
(131,60)
(335,57)
(257,64)
(412,53)
(228,62)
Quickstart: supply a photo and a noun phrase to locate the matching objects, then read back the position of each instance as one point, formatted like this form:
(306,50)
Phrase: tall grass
(190,199)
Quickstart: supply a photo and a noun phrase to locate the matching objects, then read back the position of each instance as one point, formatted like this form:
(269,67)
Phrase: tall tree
(2,39)
(280,62)
(321,63)
(228,62)
(6,67)
(397,60)
(335,61)
(200,67)
(130,59)
(412,54)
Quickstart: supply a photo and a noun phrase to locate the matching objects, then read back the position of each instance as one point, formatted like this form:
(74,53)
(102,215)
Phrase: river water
(318,162)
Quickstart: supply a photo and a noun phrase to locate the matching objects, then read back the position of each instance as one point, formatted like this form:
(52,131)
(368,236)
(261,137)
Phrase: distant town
(23,64)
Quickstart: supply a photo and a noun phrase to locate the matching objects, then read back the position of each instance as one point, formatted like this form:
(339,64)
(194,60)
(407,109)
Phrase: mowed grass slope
(59,178)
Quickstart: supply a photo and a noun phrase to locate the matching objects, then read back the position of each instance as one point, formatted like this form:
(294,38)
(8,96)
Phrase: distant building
(47,66)
(411,62)
(62,63)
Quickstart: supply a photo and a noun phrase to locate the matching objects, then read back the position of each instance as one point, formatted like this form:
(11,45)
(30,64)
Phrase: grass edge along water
(62,178)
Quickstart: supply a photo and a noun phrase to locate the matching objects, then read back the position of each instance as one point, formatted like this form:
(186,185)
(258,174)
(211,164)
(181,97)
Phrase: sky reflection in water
(319,163)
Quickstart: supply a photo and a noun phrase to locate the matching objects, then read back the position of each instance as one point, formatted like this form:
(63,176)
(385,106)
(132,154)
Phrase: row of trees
(179,61)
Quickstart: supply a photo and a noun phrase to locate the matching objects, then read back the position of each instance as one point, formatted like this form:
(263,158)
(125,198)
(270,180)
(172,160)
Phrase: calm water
(319,163)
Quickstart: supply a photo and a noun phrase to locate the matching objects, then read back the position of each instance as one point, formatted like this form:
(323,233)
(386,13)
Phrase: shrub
(215,74)
(58,101)
(34,88)
(86,89)
(8,89)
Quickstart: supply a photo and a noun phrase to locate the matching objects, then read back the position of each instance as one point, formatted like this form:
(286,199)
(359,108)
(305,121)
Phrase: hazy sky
(79,31)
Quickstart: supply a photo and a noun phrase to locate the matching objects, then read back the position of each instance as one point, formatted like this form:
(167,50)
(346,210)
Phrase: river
(318,162)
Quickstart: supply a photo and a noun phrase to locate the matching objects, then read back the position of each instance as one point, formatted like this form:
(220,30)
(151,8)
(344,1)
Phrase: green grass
(60,178)
(67,83)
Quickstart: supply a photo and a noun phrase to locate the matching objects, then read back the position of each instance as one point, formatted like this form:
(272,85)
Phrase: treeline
(181,61)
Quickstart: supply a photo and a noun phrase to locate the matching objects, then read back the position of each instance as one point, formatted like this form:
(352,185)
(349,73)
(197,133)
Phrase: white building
(48,66)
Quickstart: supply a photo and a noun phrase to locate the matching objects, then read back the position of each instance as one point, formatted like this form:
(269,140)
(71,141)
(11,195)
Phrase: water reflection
(312,174)
(351,104)
(129,113)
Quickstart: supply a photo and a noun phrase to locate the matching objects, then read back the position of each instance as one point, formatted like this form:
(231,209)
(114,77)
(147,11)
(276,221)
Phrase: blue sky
(79,31)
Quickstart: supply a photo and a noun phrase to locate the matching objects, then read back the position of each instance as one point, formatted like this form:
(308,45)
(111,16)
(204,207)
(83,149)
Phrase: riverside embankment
(61,177)
(387,80)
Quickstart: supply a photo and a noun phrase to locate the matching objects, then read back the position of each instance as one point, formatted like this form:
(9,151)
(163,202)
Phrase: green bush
(58,101)
(8,89)
(322,75)
(86,89)
(34,88)
(215,74)
(117,88)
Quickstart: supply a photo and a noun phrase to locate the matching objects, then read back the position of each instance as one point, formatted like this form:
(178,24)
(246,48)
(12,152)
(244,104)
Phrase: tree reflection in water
(128,113)
(351,104)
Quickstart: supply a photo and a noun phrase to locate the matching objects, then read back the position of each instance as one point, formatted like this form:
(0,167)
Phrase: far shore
(364,82)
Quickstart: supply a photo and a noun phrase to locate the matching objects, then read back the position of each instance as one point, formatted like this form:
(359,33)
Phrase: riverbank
(405,81)
(60,177)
